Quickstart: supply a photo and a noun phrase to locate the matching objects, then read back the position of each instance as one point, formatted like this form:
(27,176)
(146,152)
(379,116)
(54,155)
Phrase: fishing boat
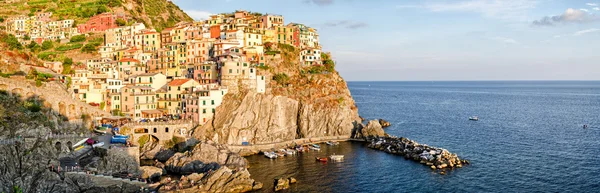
(315,145)
(474,118)
(332,143)
(321,159)
(336,157)
(101,130)
(290,152)
(270,155)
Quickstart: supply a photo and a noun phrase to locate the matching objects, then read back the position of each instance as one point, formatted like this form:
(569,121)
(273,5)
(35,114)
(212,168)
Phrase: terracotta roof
(178,82)
(128,60)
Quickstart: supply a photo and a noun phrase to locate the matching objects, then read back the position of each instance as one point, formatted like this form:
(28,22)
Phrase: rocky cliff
(307,102)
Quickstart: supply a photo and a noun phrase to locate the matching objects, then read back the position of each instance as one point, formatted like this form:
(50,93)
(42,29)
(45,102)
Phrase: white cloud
(569,16)
(582,32)
(592,4)
(198,15)
(596,8)
(507,10)
(586,10)
(505,40)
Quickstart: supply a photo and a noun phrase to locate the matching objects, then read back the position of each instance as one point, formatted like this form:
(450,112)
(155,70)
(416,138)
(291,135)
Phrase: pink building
(101,22)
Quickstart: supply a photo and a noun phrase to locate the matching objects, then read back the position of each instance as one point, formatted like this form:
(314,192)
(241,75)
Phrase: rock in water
(281,184)
(293,180)
(373,129)
(384,123)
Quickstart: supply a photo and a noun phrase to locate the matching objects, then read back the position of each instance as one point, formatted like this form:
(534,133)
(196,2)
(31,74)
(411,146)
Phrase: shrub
(46,45)
(1,19)
(47,55)
(121,22)
(264,67)
(38,83)
(26,37)
(316,69)
(69,47)
(12,42)
(89,48)
(78,38)
(281,78)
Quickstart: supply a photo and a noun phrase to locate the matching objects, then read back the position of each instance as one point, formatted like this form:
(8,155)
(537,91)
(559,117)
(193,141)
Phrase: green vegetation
(287,47)
(11,41)
(121,22)
(67,63)
(48,56)
(34,47)
(69,46)
(1,19)
(143,140)
(46,45)
(77,38)
(263,67)
(282,79)
(102,105)
(38,83)
(271,52)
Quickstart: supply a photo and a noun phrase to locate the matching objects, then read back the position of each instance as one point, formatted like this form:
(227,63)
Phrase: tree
(12,42)
(33,46)
(121,22)
(89,48)
(1,19)
(47,44)
(67,63)
(26,37)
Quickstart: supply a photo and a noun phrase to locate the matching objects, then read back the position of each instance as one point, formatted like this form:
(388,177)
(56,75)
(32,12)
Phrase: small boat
(121,136)
(115,140)
(332,143)
(101,130)
(315,145)
(290,152)
(336,157)
(314,148)
(98,144)
(280,154)
(474,118)
(80,143)
(270,155)
(321,159)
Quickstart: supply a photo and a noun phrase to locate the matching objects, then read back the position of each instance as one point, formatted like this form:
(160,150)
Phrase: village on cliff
(181,72)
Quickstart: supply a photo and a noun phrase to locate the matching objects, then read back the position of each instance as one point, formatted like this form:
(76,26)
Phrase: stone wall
(163,131)
(54,96)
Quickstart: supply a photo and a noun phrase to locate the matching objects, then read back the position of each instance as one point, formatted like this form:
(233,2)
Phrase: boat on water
(315,145)
(321,159)
(121,136)
(270,155)
(314,148)
(332,143)
(101,130)
(290,152)
(336,157)
(474,118)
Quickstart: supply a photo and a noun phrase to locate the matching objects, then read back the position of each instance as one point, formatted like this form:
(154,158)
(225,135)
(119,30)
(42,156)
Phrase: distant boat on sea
(474,118)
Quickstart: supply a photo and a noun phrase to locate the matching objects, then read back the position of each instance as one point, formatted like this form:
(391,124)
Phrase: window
(203,102)
(154,130)
(203,111)
(125,97)
(230,71)
(213,110)
(84,95)
(166,130)
(212,102)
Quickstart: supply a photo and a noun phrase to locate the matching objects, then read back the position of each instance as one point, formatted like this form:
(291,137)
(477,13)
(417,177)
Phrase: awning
(152,112)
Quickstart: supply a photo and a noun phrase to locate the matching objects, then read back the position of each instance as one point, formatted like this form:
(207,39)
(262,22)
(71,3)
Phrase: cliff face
(308,106)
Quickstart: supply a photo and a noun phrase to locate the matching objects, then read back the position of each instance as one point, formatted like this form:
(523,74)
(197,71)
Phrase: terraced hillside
(159,14)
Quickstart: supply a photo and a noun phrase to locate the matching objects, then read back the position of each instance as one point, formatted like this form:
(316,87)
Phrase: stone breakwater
(436,158)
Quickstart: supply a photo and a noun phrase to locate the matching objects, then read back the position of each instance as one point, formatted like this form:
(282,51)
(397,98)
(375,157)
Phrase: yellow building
(285,35)
(151,41)
(269,35)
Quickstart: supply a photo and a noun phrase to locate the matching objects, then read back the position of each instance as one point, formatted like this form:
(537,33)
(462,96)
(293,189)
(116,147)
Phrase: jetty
(434,157)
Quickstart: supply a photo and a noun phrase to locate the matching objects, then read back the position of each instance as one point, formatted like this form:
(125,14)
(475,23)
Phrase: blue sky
(443,39)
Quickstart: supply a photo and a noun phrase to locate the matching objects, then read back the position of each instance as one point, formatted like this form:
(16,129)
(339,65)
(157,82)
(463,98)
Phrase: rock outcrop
(372,129)
(306,106)
(221,180)
(384,123)
(204,157)
(151,172)
(153,150)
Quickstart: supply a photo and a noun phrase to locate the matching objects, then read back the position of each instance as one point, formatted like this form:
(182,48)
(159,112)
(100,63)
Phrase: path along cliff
(300,102)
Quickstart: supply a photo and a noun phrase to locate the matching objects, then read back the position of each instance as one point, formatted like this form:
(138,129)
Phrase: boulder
(384,123)
(151,172)
(257,186)
(203,157)
(293,180)
(227,180)
(195,177)
(373,129)
(281,184)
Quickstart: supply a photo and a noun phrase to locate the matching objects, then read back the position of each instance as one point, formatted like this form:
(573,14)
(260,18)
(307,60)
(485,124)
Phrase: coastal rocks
(384,123)
(227,180)
(150,172)
(195,161)
(436,158)
(283,183)
(372,129)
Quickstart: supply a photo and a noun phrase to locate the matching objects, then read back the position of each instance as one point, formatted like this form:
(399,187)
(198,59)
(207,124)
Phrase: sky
(388,40)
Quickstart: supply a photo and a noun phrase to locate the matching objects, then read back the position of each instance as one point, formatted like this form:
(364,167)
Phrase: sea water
(529,138)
